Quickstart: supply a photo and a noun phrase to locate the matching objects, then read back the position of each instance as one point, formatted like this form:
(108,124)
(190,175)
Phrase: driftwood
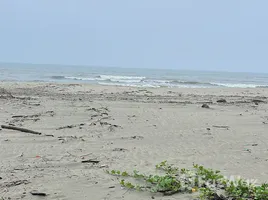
(18,116)
(36,193)
(258,101)
(20,129)
(49,135)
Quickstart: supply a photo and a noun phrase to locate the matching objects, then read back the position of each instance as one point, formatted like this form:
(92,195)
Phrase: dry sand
(124,128)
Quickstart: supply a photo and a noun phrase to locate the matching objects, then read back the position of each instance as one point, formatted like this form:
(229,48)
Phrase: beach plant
(207,183)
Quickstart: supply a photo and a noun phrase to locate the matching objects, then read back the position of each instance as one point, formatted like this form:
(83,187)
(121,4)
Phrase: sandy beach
(124,128)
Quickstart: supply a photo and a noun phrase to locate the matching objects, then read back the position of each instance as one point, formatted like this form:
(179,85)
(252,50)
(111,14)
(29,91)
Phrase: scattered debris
(36,193)
(65,138)
(26,116)
(20,129)
(222,101)
(227,127)
(112,127)
(99,110)
(49,135)
(31,103)
(205,105)
(258,101)
(70,126)
(4,94)
(119,149)
(137,137)
(133,137)
(14,183)
(104,123)
(248,150)
(90,161)
(51,113)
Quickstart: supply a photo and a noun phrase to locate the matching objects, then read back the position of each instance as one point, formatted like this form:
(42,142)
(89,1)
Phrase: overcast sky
(229,35)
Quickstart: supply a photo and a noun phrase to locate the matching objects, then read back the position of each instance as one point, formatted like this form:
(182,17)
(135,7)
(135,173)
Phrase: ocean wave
(112,77)
(57,77)
(120,79)
(262,86)
(130,85)
(193,83)
(142,81)
(79,78)
(239,85)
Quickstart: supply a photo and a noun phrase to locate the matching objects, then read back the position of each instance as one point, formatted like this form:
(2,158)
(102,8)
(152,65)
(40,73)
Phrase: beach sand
(124,128)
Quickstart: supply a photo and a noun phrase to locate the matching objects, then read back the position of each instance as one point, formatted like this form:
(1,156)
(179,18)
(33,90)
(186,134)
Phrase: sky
(229,35)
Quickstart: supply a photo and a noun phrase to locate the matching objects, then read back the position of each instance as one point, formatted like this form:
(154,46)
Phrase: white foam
(80,78)
(140,81)
(238,85)
(109,77)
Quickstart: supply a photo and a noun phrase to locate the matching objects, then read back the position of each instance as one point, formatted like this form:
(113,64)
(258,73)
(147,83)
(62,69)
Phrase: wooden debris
(20,129)
(18,116)
(26,116)
(49,135)
(36,193)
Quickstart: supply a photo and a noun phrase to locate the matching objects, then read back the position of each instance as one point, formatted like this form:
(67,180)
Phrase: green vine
(209,184)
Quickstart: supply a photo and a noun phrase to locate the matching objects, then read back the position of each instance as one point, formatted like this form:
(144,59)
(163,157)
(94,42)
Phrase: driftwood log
(21,129)
(90,161)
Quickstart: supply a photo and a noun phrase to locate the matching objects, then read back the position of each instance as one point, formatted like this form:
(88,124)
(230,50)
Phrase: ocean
(130,77)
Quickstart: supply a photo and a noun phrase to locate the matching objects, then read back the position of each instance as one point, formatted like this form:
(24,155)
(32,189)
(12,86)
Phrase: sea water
(130,77)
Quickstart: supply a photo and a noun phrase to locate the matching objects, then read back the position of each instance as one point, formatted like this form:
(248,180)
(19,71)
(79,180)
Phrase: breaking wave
(141,81)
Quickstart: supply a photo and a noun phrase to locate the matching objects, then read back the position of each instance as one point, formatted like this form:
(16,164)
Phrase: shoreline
(125,81)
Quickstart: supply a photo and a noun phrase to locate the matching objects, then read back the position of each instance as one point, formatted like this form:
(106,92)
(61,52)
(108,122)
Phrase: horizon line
(102,66)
